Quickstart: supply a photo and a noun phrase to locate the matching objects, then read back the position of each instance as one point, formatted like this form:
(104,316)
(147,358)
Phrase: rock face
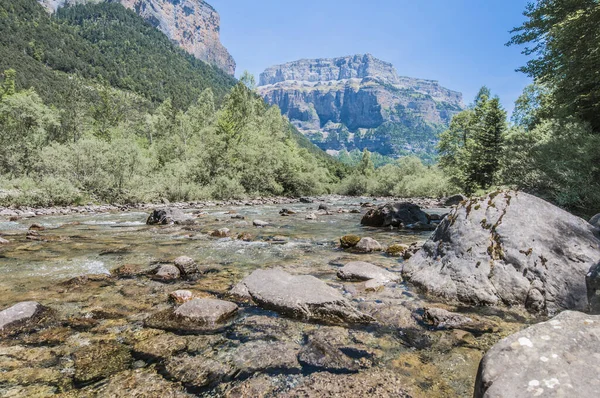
(509,248)
(337,101)
(304,297)
(193,24)
(558,358)
(395,215)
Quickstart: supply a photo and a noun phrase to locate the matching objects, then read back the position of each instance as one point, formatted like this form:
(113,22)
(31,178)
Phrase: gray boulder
(558,358)
(21,316)
(394,214)
(509,248)
(363,271)
(595,221)
(169,215)
(304,297)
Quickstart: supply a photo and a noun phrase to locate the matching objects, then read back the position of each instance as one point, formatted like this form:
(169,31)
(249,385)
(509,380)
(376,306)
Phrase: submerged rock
(509,248)
(304,297)
(22,317)
(320,354)
(266,356)
(100,360)
(368,245)
(557,358)
(196,371)
(395,215)
(363,271)
(168,216)
(197,315)
(181,296)
(160,347)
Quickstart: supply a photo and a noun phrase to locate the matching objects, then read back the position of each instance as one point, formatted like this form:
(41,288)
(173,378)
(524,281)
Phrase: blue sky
(458,42)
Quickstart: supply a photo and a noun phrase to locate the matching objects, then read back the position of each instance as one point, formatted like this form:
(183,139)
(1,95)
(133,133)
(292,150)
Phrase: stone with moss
(349,241)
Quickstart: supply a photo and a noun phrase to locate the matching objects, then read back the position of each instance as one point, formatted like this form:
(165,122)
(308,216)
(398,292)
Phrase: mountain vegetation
(98,105)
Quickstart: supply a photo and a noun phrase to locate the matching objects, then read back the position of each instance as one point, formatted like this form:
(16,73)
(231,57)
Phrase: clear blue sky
(458,42)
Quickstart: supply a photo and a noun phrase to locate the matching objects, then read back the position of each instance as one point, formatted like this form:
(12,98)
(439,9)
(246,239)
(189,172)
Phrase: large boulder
(304,297)
(395,215)
(169,215)
(509,248)
(558,358)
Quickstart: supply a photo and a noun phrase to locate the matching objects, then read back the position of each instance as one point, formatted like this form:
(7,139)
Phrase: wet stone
(196,371)
(186,265)
(198,315)
(181,296)
(266,356)
(160,347)
(100,360)
(349,241)
(167,273)
(23,316)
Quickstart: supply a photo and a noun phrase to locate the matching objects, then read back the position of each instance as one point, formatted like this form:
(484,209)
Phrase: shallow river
(103,309)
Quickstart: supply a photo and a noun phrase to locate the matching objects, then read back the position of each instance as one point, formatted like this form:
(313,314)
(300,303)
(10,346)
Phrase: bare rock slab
(557,358)
(363,271)
(509,248)
(304,297)
(22,316)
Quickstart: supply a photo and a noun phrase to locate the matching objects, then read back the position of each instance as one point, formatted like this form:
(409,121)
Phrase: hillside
(359,102)
(100,41)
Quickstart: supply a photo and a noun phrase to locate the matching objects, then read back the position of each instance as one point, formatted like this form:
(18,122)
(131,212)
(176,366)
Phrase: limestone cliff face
(193,24)
(344,103)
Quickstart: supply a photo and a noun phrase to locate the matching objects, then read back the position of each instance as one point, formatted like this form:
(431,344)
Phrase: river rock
(22,316)
(167,273)
(220,233)
(186,265)
(169,215)
(197,315)
(396,250)
(509,248)
(363,271)
(368,245)
(4,241)
(100,360)
(311,216)
(349,241)
(160,347)
(595,221)
(323,206)
(267,356)
(557,358)
(395,215)
(455,200)
(181,296)
(196,371)
(259,223)
(304,297)
(322,355)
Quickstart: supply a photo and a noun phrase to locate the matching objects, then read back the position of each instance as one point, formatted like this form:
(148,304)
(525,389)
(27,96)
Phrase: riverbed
(69,266)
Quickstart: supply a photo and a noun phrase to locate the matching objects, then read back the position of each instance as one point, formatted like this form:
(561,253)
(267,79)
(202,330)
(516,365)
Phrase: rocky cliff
(193,24)
(360,102)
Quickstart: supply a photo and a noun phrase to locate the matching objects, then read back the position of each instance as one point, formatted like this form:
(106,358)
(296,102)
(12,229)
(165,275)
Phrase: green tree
(563,36)
(8,84)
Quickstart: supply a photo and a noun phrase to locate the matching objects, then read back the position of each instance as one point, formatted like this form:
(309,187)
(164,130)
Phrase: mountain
(358,102)
(100,42)
(194,25)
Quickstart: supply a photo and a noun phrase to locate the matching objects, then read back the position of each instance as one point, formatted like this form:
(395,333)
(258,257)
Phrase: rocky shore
(255,299)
